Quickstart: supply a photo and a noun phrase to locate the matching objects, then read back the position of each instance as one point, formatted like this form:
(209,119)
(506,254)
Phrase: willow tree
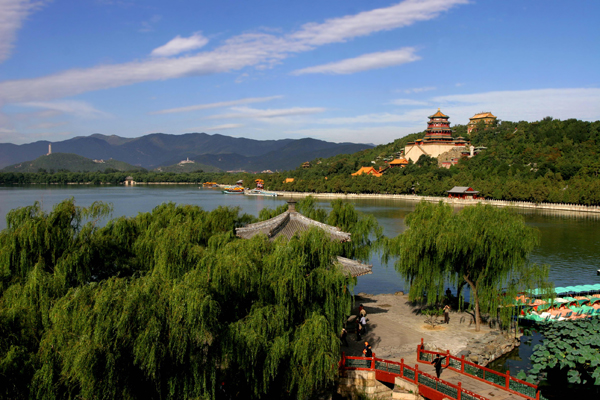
(481,246)
(165,305)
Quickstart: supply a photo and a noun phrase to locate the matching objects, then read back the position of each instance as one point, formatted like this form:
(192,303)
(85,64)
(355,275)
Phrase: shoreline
(568,208)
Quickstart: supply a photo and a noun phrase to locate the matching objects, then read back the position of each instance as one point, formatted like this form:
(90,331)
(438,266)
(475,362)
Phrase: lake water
(570,242)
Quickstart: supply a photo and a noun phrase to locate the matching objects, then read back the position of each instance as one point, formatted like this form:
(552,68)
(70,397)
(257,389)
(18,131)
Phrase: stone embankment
(558,207)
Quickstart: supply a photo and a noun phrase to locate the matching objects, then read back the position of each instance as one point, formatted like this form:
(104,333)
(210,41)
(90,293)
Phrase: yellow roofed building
(367,171)
(486,117)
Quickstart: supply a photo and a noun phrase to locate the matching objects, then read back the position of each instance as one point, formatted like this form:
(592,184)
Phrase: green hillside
(544,161)
(69,162)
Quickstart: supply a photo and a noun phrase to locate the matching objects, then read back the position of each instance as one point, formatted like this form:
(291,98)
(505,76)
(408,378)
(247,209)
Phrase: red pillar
(507,380)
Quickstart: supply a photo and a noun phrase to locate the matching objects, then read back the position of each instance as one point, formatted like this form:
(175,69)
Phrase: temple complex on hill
(438,139)
(485,117)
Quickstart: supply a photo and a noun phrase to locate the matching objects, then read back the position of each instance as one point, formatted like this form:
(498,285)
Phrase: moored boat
(258,192)
(235,190)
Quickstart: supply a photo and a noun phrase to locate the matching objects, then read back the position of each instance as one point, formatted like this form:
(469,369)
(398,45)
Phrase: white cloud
(78,108)
(408,102)
(253,113)
(251,49)
(419,89)
(180,45)
(148,26)
(382,19)
(218,127)
(47,125)
(528,105)
(12,15)
(364,62)
(248,100)
(368,134)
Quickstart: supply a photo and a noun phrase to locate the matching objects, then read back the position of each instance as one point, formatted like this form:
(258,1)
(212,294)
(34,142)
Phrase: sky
(363,71)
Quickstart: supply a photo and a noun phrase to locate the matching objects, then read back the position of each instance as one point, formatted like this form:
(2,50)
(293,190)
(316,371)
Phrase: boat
(235,190)
(259,192)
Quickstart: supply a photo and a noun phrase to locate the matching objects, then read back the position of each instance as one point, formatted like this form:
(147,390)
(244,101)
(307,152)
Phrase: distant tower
(49,149)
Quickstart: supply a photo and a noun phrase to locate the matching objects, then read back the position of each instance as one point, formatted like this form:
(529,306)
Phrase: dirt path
(396,327)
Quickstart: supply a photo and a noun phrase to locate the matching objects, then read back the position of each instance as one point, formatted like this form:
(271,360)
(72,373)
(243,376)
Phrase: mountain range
(159,149)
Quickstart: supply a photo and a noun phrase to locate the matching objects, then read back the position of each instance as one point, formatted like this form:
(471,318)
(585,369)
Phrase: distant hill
(69,162)
(187,167)
(159,150)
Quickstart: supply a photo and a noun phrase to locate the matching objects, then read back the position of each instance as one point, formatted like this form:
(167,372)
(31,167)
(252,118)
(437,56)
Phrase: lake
(570,242)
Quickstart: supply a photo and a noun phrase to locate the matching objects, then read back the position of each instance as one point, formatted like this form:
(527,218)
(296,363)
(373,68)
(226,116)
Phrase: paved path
(395,329)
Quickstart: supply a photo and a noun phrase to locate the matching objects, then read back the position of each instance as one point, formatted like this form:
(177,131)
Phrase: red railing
(483,374)
(429,386)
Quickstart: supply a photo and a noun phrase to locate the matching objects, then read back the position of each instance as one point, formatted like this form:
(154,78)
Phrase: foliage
(432,315)
(569,352)
(482,246)
(164,305)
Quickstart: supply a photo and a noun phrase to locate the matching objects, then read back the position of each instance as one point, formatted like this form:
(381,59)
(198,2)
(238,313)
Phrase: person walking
(358,329)
(363,322)
(343,337)
(437,363)
(447,314)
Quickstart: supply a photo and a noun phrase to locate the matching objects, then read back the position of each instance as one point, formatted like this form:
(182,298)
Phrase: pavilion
(290,222)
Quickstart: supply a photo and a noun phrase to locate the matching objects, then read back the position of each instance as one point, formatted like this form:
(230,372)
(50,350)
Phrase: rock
(399,293)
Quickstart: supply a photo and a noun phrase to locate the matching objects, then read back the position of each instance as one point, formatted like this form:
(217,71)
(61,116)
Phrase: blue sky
(337,70)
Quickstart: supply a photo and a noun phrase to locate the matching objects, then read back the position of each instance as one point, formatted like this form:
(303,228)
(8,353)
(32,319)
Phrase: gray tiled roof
(287,224)
(290,222)
(355,268)
(461,189)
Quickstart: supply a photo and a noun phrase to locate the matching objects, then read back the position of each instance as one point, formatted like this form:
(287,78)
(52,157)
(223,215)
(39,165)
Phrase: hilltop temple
(438,139)
(486,117)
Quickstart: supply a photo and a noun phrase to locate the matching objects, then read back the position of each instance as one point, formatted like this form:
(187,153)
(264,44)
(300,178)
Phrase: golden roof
(483,115)
(398,161)
(288,180)
(367,170)
(438,114)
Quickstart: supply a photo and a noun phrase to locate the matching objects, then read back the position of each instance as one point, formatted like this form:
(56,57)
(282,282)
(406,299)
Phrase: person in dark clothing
(343,337)
(358,329)
(447,314)
(437,363)
(367,351)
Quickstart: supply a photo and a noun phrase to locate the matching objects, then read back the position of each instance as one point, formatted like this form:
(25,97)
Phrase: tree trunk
(475,299)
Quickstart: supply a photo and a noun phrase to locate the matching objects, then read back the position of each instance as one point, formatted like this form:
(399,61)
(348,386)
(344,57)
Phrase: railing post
(537,394)
(417,374)
(507,379)
(373,362)
(447,358)
(459,394)
(402,367)
(462,364)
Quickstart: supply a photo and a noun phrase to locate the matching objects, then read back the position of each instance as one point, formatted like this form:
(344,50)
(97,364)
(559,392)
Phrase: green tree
(484,247)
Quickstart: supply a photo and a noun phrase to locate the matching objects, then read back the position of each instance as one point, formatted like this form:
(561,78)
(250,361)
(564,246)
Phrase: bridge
(462,379)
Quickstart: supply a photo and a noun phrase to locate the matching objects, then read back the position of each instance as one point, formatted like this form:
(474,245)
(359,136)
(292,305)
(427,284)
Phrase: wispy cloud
(250,49)
(528,105)
(180,45)
(419,89)
(248,100)
(408,102)
(364,62)
(12,15)
(148,26)
(47,125)
(253,113)
(77,108)
(517,105)
(218,127)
